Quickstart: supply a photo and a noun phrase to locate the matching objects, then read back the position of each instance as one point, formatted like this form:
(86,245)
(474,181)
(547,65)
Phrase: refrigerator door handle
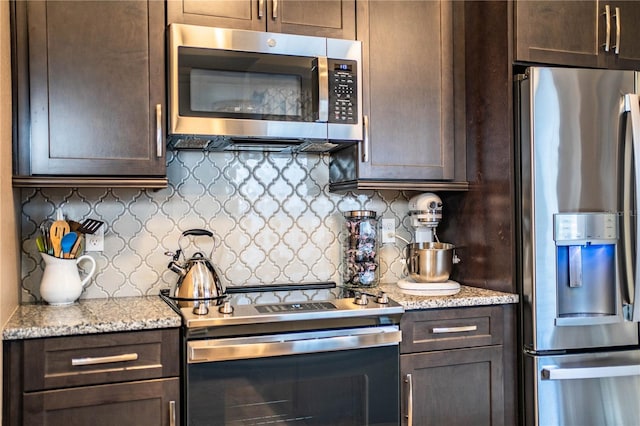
(552,372)
(632,273)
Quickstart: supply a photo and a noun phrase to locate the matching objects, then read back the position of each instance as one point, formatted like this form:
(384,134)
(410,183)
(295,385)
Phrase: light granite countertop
(468,296)
(90,316)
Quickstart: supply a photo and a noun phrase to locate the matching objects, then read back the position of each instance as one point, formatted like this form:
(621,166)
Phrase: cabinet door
(408,90)
(625,16)
(454,387)
(96,88)
(326,18)
(238,14)
(559,32)
(151,402)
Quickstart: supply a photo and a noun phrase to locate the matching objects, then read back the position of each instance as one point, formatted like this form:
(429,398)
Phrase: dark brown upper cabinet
(89,93)
(413,99)
(325,18)
(588,33)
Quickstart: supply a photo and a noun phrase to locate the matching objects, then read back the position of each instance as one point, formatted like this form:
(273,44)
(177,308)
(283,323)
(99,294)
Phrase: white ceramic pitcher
(61,284)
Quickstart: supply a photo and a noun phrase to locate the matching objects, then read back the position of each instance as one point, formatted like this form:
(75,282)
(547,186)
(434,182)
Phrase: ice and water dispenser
(587,278)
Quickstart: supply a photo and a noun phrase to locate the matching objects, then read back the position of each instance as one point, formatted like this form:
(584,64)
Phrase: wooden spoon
(58,230)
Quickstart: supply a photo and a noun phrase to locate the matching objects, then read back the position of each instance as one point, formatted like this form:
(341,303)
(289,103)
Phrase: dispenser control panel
(585,228)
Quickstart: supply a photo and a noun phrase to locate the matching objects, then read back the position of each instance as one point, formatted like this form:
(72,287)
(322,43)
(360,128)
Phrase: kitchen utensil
(74,226)
(90,226)
(61,284)
(430,262)
(58,229)
(78,247)
(44,230)
(197,278)
(40,244)
(67,243)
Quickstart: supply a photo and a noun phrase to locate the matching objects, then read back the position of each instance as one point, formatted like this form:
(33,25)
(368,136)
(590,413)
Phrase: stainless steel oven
(293,357)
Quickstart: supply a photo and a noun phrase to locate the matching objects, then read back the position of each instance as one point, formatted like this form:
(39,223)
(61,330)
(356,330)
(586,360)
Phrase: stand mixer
(428,261)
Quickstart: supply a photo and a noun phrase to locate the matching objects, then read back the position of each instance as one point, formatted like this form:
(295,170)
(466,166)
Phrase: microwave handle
(323,89)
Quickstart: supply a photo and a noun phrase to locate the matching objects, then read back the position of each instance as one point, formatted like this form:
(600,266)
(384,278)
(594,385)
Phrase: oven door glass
(350,387)
(216,83)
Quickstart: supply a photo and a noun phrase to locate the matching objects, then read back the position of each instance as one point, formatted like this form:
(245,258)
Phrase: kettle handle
(197,232)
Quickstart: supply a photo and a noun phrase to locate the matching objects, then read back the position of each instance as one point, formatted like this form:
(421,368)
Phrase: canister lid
(360,214)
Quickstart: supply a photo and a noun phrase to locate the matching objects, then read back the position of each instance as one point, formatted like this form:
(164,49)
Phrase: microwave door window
(248,94)
(227,84)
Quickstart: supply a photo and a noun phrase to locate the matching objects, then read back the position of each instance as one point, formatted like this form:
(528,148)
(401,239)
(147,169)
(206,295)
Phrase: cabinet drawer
(102,358)
(143,403)
(430,330)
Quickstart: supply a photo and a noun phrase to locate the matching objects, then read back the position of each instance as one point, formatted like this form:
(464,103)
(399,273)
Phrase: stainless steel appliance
(310,354)
(250,90)
(579,177)
(198,280)
(428,261)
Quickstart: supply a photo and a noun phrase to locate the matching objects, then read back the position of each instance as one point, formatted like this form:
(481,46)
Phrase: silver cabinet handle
(461,329)
(607,23)
(159,143)
(104,359)
(365,140)
(323,89)
(261,9)
(274,10)
(172,413)
(552,372)
(618,29)
(409,416)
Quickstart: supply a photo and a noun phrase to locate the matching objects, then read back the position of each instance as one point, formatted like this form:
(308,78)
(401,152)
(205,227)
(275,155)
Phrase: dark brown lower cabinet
(451,366)
(110,379)
(148,402)
(457,387)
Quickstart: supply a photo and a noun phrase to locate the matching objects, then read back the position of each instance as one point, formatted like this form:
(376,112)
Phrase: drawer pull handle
(462,329)
(104,359)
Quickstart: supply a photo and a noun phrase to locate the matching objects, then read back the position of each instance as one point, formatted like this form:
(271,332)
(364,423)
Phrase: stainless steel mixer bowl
(429,262)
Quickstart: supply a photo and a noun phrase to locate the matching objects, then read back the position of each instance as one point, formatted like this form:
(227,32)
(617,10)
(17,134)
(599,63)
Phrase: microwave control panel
(343,93)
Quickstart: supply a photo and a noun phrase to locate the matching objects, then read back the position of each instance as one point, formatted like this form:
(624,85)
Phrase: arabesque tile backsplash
(272,216)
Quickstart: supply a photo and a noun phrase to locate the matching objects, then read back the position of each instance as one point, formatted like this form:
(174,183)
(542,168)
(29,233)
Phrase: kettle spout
(173,266)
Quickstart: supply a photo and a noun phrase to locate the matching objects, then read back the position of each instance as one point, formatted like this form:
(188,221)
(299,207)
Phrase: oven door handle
(213,350)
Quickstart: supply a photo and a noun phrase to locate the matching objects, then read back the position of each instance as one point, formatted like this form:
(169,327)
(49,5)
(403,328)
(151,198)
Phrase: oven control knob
(361,299)
(226,308)
(201,309)
(382,298)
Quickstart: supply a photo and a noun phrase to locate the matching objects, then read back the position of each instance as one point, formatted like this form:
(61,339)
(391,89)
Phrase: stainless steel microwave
(250,90)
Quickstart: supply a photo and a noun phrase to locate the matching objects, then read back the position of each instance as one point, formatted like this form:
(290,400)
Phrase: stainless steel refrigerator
(579,190)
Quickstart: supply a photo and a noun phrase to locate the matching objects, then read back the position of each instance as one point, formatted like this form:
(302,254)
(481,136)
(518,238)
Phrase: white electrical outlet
(388,230)
(95,241)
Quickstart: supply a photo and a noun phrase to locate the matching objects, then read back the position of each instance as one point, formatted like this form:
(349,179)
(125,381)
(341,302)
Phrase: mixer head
(425,211)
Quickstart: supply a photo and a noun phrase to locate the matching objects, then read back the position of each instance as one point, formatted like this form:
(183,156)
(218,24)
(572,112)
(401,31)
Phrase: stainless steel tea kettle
(198,280)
